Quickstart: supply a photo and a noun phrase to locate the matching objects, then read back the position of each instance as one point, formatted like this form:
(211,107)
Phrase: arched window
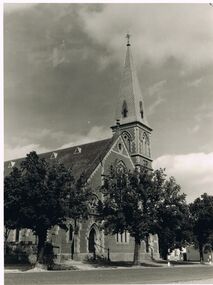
(124,109)
(93,203)
(146,145)
(121,167)
(127,139)
(91,240)
(141,108)
(122,238)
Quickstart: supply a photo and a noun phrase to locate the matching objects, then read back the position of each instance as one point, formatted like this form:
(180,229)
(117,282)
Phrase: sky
(62,70)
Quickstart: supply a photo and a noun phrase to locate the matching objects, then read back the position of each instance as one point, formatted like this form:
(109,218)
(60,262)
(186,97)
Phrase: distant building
(129,147)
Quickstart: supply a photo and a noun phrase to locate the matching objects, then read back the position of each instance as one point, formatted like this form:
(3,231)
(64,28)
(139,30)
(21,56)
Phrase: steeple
(131,122)
(130,106)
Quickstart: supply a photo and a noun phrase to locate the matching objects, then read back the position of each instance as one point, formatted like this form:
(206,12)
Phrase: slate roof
(85,161)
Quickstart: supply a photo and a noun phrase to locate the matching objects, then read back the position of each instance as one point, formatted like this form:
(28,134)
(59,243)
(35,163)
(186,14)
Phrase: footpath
(83,266)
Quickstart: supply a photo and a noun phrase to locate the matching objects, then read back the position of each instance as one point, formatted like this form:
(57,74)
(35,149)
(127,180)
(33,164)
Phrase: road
(113,276)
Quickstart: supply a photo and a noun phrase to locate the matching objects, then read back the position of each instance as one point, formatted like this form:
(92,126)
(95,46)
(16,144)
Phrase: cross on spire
(128,38)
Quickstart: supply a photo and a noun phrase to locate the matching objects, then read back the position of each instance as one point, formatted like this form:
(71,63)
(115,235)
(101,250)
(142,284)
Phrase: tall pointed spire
(130,115)
(130,106)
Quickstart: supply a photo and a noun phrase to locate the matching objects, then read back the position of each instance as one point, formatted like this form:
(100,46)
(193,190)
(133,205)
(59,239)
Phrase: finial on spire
(128,38)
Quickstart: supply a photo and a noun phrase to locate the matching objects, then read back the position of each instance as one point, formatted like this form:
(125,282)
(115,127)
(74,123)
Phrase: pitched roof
(81,158)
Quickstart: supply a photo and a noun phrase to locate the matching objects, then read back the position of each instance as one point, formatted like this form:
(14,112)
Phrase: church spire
(130,115)
(130,106)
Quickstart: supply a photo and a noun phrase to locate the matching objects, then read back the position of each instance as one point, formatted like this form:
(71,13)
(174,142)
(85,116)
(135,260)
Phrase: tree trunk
(164,253)
(136,260)
(41,242)
(201,252)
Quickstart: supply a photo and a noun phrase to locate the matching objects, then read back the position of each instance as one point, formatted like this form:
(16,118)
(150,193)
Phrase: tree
(202,217)
(144,202)
(41,195)
(129,204)
(11,200)
(173,220)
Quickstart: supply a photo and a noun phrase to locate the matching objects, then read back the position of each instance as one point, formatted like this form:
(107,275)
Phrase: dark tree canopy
(144,202)
(12,198)
(41,195)
(129,204)
(173,226)
(202,218)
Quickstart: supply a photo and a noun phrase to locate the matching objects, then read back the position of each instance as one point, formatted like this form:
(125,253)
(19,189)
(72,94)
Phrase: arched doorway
(91,241)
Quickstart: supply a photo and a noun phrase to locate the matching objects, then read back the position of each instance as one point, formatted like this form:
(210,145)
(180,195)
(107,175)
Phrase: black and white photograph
(107,143)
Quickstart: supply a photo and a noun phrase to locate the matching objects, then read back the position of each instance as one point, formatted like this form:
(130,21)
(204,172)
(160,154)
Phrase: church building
(128,148)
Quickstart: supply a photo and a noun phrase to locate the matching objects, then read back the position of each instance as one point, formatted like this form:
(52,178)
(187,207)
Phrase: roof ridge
(59,149)
(78,145)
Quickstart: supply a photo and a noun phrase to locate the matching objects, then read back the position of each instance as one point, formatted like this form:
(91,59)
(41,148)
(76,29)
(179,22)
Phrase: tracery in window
(120,167)
(127,139)
(93,201)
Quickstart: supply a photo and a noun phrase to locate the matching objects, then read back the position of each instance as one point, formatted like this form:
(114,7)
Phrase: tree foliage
(142,203)
(12,198)
(129,200)
(41,195)
(202,217)
(173,226)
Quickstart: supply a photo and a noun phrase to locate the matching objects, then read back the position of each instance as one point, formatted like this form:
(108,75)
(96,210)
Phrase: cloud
(154,105)
(13,8)
(156,88)
(195,83)
(58,55)
(195,129)
(62,139)
(96,133)
(21,151)
(179,31)
(193,171)
(203,116)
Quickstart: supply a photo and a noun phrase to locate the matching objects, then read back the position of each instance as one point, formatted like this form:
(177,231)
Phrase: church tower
(131,120)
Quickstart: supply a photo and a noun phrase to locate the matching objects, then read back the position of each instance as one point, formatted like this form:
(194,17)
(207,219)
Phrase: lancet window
(124,109)
(127,139)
